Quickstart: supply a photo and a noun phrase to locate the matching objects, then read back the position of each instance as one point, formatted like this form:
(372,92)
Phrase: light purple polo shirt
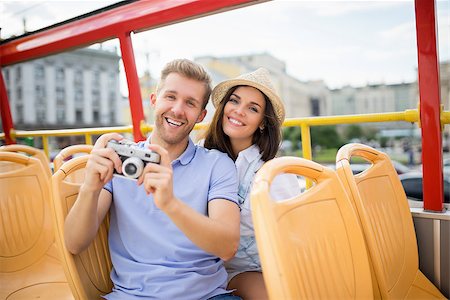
(152,258)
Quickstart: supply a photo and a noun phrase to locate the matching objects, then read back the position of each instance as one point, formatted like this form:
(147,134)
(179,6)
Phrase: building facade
(302,99)
(69,90)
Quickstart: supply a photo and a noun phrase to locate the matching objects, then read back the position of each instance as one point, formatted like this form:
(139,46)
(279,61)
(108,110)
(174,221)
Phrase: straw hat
(259,79)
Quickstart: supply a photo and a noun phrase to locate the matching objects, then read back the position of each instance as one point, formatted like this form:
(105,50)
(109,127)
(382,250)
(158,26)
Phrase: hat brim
(222,88)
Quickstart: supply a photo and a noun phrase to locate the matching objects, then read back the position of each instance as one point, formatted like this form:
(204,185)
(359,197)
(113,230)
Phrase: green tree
(325,136)
(353,132)
(292,134)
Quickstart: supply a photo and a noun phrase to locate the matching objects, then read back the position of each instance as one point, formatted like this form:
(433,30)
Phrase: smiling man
(170,230)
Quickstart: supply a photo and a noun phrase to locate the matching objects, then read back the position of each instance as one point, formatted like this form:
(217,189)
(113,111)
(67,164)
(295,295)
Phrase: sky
(340,42)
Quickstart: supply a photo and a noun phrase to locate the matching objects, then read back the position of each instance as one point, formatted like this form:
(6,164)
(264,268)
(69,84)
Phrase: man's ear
(201,116)
(152,100)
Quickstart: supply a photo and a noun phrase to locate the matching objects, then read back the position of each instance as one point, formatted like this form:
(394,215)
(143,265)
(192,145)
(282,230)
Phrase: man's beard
(171,139)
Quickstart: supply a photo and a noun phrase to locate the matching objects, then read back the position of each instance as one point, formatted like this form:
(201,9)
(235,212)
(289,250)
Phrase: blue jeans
(228,296)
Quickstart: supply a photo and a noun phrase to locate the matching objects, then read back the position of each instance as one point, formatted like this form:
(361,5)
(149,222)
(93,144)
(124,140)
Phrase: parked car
(412,184)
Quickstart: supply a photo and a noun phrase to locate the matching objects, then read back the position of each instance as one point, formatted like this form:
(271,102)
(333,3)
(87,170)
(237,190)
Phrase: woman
(247,126)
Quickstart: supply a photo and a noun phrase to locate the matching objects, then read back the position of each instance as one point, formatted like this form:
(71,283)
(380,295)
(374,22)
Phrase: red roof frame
(120,21)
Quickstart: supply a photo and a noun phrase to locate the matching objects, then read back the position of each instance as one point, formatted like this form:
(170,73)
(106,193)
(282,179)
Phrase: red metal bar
(5,111)
(428,68)
(136,16)
(134,91)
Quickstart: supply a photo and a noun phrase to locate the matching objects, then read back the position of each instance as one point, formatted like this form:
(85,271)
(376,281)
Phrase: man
(170,230)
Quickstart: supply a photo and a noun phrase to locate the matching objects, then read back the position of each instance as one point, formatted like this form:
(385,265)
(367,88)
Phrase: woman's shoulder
(212,154)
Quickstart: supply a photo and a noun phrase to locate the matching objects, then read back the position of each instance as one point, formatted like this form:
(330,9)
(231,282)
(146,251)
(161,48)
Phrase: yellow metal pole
(306,148)
(88,138)
(45,145)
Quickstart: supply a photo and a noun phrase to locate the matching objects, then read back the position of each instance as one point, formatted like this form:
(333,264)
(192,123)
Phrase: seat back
(69,151)
(25,214)
(310,246)
(383,209)
(66,153)
(31,151)
(88,272)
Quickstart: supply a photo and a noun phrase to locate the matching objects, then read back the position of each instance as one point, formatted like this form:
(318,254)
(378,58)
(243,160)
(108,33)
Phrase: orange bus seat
(88,272)
(30,151)
(68,152)
(310,246)
(382,206)
(30,267)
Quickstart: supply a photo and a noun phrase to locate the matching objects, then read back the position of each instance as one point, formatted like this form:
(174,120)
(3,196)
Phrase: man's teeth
(235,121)
(173,122)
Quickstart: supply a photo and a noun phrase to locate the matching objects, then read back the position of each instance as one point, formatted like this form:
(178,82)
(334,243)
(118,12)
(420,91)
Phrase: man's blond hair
(188,69)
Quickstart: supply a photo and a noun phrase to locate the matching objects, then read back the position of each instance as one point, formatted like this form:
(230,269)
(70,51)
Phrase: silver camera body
(134,159)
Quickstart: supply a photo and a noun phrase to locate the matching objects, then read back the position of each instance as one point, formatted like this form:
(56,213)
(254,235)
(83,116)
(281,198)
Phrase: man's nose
(178,108)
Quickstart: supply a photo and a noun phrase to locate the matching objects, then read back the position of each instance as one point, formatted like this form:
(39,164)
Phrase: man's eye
(170,97)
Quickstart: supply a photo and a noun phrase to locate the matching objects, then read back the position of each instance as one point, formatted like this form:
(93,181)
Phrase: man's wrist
(86,188)
(171,206)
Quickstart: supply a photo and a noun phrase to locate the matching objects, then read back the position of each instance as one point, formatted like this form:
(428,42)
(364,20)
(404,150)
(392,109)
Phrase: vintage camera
(134,159)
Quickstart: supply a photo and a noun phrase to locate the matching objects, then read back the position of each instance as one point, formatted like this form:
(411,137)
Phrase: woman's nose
(240,110)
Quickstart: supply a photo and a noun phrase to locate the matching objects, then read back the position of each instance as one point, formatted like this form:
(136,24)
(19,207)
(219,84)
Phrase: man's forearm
(82,223)
(218,236)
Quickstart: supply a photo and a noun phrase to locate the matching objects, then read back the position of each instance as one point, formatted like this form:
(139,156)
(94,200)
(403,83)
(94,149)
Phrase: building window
(39,71)
(40,92)
(78,95)
(112,116)
(78,79)
(315,107)
(19,110)
(40,116)
(96,98)
(96,79)
(60,94)
(79,116)
(60,74)
(96,116)
(19,93)
(60,113)
(18,73)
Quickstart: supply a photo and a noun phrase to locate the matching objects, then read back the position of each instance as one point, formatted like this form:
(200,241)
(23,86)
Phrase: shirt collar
(249,154)
(186,157)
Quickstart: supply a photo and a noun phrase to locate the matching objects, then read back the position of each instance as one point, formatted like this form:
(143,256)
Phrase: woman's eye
(233,100)
(254,109)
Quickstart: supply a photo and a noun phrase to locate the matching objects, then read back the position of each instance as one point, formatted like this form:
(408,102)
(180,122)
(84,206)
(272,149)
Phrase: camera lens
(132,167)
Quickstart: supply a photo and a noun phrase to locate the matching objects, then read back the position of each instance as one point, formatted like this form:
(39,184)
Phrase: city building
(302,99)
(74,89)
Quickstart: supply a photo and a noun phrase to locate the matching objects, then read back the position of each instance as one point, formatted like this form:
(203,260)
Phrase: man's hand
(101,163)
(158,179)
